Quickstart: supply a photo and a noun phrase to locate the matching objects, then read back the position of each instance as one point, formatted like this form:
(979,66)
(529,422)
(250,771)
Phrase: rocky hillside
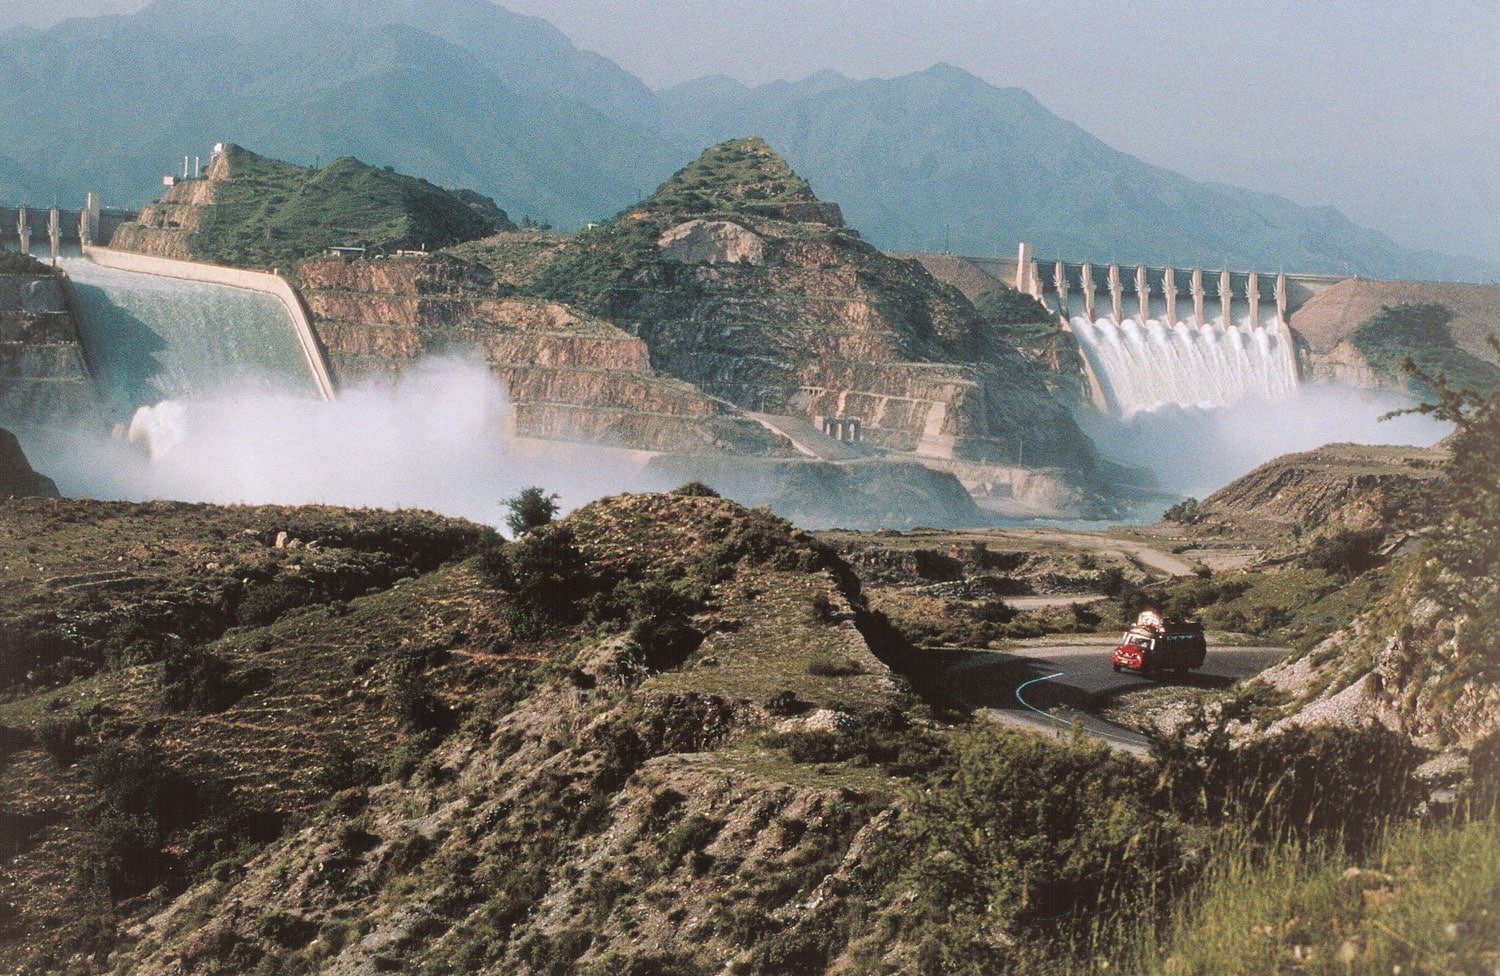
(1359,331)
(665,735)
(1377,565)
(560,754)
(570,376)
(730,314)
(1356,486)
(251,211)
(745,285)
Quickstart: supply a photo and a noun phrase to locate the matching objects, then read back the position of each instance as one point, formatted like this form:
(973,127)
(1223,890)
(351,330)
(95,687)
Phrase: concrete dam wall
(157,329)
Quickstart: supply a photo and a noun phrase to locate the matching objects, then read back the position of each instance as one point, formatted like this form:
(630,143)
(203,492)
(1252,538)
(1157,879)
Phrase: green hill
(261,212)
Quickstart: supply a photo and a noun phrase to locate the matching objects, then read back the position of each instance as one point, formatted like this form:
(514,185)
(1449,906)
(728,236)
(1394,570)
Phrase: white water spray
(436,437)
(1143,367)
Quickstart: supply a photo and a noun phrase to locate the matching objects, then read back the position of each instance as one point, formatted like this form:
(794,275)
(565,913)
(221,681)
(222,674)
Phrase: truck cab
(1154,644)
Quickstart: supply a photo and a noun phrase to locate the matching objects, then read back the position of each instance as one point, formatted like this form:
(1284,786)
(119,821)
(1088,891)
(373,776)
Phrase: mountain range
(469,94)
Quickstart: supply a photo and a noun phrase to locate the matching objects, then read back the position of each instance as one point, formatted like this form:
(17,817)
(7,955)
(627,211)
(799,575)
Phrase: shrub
(1083,617)
(695,489)
(1330,781)
(783,703)
(1184,512)
(530,509)
(545,573)
(198,682)
(416,707)
(137,800)
(264,603)
(1033,832)
(58,736)
(829,666)
(1346,553)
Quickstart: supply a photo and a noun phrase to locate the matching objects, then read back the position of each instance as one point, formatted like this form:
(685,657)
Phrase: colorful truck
(1154,644)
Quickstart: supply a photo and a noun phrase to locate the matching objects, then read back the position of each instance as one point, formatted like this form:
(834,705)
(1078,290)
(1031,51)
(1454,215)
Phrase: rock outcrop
(44,376)
(1353,485)
(17,479)
(570,376)
(712,242)
(1326,323)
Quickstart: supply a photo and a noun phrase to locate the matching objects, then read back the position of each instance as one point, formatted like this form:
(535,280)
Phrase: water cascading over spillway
(1144,366)
(1157,357)
(154,339)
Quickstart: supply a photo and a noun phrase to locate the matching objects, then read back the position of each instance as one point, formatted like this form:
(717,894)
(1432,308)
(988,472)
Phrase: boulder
(16,476)
(712,242)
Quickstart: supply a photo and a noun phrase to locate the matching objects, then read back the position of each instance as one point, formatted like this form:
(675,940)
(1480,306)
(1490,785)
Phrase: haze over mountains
(468,94)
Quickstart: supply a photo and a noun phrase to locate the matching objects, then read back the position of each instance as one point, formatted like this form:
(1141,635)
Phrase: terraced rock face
(44,377)
(570,376)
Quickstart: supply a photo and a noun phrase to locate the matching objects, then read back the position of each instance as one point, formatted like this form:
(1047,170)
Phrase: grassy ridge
(272,214)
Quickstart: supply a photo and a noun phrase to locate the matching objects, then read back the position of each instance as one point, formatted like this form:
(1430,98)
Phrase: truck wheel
(1117,669)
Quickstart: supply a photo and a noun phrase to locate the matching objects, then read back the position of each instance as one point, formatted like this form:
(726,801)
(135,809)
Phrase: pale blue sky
(1387,109)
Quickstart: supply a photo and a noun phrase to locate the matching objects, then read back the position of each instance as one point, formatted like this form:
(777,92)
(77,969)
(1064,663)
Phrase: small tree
(530,509)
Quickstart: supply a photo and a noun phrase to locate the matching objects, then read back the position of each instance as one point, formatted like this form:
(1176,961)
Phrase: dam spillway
(1155,341)
(1140,366)
(151,338)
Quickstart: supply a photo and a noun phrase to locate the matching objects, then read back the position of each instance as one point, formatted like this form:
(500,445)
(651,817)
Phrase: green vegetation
(529,509)
(995,846)
(1005,306)
(740,177)
(1184,512)
(1420,900)
(272,214)
(1466,544)
(1417,333)
(14,262)
(598,262)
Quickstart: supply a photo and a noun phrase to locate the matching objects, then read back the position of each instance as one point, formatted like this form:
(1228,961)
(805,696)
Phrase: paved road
(1053,683)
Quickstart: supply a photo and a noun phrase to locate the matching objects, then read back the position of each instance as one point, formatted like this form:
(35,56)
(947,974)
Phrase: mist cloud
(434,437)
(1196,451)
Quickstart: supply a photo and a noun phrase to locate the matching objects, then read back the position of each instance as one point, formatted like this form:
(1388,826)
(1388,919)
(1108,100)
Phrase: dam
(1154,338)
(151,338)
